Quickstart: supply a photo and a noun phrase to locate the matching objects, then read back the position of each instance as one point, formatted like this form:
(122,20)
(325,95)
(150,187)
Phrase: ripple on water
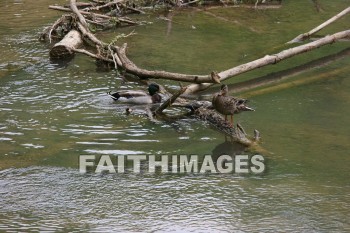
(61,197)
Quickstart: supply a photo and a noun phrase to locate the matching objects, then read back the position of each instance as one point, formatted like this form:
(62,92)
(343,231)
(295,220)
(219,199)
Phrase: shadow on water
(62,62)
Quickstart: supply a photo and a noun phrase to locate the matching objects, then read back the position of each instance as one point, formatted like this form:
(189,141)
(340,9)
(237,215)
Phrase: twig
(60,20)
(112,54)
(97,8)
(190,2)
(120,19)
(83,51)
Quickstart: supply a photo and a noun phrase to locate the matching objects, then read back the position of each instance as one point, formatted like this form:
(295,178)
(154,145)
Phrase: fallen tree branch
(169,101)
(270,59)
(130,67)
(117,56)
(90,36)
(219,122)
(304,36)
(280,76)
(75,10)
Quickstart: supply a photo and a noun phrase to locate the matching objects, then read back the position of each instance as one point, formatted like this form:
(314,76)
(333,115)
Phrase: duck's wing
(240,105)
(132,94)
(127,94)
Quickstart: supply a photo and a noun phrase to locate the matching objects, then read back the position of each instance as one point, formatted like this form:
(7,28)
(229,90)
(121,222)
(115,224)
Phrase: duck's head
(153,89)
(224,89)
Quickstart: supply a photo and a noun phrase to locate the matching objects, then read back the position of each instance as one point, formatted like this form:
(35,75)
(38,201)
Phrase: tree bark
(67,45)
(236,133)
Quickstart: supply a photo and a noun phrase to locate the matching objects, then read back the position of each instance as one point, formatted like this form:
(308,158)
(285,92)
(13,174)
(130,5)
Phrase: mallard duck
(138,97)
(229,105)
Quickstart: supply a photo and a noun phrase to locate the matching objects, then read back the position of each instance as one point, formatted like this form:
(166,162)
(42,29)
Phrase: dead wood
(130,67)
(75,10)
(306,35)
(280,76)
(203,111)
(94,15)
(216,120)
(169,101)
(117,56)
(66,46)
(270,59)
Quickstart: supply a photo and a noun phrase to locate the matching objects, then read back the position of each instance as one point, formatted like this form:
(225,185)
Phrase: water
(50,114)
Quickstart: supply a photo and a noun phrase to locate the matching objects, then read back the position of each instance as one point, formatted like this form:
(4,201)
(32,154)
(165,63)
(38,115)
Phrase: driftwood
(203,111)
(307,35)
(67,45)
(215,119)
(119,57)
(81,18)
(208,80)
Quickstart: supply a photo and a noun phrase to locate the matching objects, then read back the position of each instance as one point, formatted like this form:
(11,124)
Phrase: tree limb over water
(271,59)
(307,35)
(75,27)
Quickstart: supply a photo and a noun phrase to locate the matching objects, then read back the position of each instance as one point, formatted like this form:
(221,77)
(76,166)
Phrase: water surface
(50,114)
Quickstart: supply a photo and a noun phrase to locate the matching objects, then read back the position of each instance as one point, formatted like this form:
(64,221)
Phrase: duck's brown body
(229,105)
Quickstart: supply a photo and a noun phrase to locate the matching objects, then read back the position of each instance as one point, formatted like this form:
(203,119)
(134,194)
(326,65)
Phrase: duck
(138,97)
(229,105)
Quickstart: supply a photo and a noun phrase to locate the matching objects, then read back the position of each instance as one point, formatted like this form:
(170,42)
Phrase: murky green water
(51,114)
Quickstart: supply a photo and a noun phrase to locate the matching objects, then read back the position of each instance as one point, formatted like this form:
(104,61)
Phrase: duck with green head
(229,105)
(138,97)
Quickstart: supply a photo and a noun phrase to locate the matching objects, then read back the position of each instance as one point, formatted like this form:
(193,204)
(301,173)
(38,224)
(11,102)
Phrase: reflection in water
(61,62)
(228,148)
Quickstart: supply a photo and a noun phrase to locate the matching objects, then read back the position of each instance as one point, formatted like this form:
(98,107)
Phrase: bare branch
(170,101)
(270,59)
(304,36)
(130,67)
